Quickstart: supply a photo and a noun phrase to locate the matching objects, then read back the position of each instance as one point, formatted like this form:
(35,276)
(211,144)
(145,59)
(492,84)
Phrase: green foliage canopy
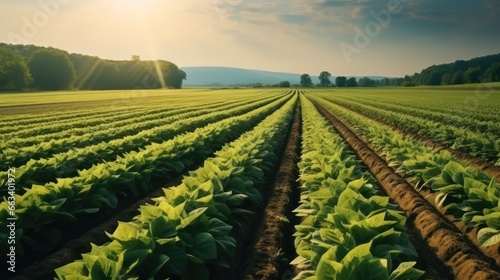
(14,73)
(51,70)
(305,80)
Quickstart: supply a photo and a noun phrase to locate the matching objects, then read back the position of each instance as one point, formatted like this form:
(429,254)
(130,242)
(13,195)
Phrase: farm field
(385,183)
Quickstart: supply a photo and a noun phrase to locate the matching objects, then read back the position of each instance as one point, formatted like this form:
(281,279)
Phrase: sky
(344,37)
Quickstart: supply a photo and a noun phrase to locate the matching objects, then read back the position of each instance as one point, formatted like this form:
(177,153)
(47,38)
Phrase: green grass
(34,98)
(448,93)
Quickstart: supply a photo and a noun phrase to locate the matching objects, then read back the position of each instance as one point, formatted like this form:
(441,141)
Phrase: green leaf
(162,228)
(488,236)
(406,271)
(329,266)
(204,247)
(126,231)
(192,216)
(306,275)
(77,268)
(451,170)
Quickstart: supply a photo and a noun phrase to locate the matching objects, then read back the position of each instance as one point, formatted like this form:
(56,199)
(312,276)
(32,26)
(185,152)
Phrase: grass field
(392,183)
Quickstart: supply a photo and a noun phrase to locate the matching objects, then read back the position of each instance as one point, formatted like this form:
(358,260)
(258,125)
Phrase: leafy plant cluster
(464,191)
(482,144)
(42,208)
(66,164)
(190,227)
(348,230)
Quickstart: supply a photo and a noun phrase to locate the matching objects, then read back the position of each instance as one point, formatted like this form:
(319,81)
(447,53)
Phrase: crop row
(182,123)
(480,126)
(125,106)
(190,228)
(72,120)
(105,129)
(11,123)
(348,230)
(464,191)
(67,164)
(462,104)
(42,207)
(483,145)
(78,126)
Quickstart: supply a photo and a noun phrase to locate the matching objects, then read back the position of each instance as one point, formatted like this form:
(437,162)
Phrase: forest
(29,67)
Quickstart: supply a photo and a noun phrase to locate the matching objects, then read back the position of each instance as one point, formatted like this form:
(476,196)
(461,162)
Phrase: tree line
(342,81)
(478,70)
(29,67)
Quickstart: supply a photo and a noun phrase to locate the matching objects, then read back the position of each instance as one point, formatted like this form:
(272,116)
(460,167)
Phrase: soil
(446,242)
(274,249)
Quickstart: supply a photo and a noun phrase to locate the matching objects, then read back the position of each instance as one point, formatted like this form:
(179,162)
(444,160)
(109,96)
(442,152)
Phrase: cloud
(293,19)
(465,15)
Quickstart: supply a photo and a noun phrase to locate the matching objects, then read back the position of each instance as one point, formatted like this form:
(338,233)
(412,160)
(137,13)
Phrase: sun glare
(131,4)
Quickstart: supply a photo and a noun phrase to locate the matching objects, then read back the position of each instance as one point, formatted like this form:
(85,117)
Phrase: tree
(385,82)
(408,81)
(367,82)
(340,81)
(447,79)
(305,80)
(324,78)
(173,76)
(107,76)
(432,78)
(458,78)
(472,75)
(351,82)
(14,73)
(51,69)
(492,74)
(284,84)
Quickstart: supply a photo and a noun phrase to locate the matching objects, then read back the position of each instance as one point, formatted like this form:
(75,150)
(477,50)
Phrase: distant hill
(230,76)
(224,76)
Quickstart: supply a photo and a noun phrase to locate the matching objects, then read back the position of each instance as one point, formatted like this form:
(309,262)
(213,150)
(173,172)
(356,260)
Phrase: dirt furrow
(274,249)
(485,166)
(457,252)
(266,249)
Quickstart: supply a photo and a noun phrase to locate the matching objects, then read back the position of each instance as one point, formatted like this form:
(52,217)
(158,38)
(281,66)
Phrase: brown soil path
(274,249)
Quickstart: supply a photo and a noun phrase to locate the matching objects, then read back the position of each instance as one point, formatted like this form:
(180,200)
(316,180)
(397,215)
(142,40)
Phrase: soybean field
(304,184)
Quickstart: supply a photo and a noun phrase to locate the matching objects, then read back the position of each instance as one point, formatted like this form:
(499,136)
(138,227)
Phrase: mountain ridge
(228,76)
